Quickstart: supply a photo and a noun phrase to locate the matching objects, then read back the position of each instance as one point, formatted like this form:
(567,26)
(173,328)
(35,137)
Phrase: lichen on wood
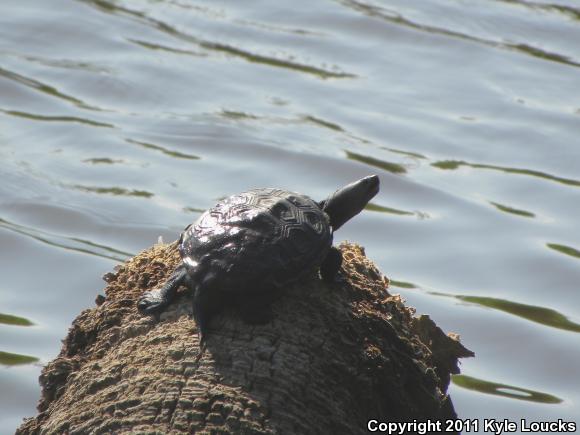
(331,358)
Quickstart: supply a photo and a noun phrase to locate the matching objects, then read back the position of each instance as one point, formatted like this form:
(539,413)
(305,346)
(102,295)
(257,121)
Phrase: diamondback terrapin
(249,245)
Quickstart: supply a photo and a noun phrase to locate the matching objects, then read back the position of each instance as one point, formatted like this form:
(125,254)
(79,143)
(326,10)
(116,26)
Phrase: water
(121,120)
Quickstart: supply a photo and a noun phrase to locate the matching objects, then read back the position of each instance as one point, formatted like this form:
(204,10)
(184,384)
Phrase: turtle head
(350,200)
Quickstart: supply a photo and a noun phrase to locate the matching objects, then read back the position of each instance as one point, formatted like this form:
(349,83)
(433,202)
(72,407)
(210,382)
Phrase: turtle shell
(256,240)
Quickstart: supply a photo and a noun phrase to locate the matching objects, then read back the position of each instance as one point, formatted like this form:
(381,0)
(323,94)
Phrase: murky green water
(121,120)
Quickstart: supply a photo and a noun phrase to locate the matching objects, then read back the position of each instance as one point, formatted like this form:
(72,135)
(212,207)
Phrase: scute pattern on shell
(262,238)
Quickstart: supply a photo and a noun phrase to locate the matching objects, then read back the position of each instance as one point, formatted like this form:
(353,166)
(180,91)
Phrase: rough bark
(331,358)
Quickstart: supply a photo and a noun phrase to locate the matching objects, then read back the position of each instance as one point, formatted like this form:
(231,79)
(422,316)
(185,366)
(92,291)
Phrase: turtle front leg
(156,300)
(331,265)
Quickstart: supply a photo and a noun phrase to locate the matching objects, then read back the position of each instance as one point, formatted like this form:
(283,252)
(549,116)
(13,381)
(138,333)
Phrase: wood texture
(330,359)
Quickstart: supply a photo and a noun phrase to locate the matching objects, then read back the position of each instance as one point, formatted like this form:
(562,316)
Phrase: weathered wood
(331,358)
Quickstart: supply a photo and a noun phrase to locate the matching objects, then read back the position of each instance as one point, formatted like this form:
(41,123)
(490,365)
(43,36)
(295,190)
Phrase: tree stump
(332,358)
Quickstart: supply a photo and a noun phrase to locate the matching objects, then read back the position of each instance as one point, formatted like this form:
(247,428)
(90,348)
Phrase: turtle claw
(151,302)
(154,301)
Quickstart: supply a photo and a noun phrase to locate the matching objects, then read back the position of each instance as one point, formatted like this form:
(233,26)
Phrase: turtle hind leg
(331,265)
(201,318)
(156,300)
(205,303)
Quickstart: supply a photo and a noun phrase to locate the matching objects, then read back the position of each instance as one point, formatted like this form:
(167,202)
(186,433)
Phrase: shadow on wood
(332,358)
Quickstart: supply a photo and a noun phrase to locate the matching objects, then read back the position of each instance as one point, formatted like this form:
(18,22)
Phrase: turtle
(249,246)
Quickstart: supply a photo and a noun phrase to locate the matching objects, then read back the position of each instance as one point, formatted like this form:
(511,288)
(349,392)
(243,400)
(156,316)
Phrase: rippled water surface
(121,120)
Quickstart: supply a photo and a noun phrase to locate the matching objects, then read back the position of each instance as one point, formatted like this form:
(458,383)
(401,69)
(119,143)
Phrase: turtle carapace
(249,245)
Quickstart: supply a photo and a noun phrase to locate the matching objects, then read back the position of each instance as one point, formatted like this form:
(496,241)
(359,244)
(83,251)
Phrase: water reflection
(391,167)
(156,46)
(193,210)
(230,50)
(563,249)
(394,17)
(9,319)
(60,63)
(504,390)
(401,284)
(382,209)
(237,115)
(534,313)
(405,153)
(68,243)
(44,88)
(166,151)
(117,191)
(454,164)
(15,359)
(36,117)
(323,123)
(272,61)
(512,210)
(304,119)
(102,160)
(569,11)
(375,207)
(542,54)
